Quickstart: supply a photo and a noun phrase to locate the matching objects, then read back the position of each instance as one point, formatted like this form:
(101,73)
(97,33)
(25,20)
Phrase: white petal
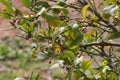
(78,60)
(19,78)
(54,66)
(105,69)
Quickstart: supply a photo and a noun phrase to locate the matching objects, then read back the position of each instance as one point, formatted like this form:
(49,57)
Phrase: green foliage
(71,40)
(28,3)
(114,35)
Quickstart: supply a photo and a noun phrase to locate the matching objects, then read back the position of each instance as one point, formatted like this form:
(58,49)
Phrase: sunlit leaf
(85,64)
(41,11)
(57,47)
(110,2)
(84,11)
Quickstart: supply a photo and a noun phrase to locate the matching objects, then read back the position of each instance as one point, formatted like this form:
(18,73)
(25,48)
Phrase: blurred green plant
(76,43)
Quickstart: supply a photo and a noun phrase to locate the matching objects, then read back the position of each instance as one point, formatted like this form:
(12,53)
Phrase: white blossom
(57,65)
(54,66)
(19,78)
(97,76)
(105,69)
(78,60)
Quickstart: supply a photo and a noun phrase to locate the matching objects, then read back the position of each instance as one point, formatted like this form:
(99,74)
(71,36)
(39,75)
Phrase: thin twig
(102,43)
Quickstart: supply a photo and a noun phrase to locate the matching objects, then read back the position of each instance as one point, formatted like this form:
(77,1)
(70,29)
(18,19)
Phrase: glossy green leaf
(114,35)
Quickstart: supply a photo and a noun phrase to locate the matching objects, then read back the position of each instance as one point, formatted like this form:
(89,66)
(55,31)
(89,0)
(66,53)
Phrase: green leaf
(18,12)
(51,18)
(117,15)
(28,3)
(31,76)
(7,4)
(75,42)
(84,11)
(43,4)
(85,64)
(67,56)
(77,74)
(106,16)
(61,3)
(114,35)
(65,11)
(88,35)
(112,76)
(110,2)
(37,76)
(57,9)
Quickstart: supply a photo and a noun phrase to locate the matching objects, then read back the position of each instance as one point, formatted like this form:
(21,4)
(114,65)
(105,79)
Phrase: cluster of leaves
(68,39)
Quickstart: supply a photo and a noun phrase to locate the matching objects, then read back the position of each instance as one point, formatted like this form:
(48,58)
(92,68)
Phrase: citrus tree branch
(102,43)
